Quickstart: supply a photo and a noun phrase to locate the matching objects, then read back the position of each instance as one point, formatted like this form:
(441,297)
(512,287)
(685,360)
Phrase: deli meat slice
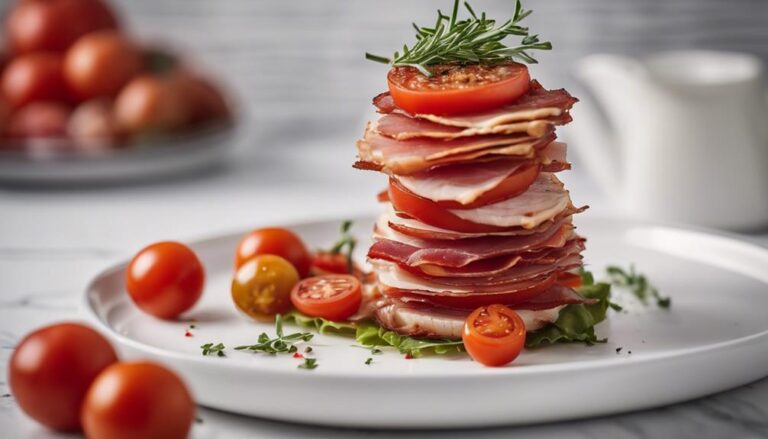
(413,252)
(430,322)
(411,227)
(379,152)
(536,105)
(401,127)
(467,182)
(542,201)
(462,183)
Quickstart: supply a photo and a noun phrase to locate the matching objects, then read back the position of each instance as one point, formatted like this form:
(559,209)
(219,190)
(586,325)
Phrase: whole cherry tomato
(34,77)
(274,241)
(262,286)
(52,25)
(138,400)
(51,369)
(151,104)
(99,64)
(40,120)
(165,279)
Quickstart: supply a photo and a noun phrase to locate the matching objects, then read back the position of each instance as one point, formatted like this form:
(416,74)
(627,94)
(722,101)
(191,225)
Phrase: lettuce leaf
(320,324)
(372,335)
(576,323)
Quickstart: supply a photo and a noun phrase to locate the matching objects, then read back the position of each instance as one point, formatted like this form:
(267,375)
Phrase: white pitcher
(683,136)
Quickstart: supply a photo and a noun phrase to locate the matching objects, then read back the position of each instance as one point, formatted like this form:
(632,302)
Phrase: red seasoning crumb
(187,334)
(408,356)
(297,355)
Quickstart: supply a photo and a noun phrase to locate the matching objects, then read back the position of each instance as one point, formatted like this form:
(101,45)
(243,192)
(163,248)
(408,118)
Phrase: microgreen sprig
(476,39)
(211,349)
(309,363)
(280,344)
(346,244)
(638,284)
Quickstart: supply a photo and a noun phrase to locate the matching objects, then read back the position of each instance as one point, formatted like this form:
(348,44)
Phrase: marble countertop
(54,239)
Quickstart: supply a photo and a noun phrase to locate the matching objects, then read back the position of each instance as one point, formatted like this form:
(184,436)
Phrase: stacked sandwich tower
(474,214)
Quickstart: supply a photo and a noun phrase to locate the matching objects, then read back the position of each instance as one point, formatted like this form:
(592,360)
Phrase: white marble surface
(295,166)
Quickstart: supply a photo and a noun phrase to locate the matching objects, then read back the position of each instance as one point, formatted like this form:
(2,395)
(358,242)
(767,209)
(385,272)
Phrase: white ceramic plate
(714,337)
(49,164)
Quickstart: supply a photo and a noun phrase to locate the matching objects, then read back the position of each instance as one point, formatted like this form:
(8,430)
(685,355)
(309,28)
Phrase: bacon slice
(401,127)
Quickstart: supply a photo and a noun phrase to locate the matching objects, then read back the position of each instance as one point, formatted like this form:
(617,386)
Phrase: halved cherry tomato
(138,400)
(332,296)
(274,241)
(262,286)
(430,212)
(165,279)
(511,186)
(455,89)
(494,335)
(51,369)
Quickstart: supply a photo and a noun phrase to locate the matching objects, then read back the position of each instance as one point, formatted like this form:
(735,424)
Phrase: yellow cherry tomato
(262,286)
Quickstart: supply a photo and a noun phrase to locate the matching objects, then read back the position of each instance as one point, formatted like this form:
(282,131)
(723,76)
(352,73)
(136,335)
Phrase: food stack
(474,214)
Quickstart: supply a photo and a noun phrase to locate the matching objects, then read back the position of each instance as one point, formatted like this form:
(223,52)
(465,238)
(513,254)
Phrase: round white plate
(714,337)
(48,164)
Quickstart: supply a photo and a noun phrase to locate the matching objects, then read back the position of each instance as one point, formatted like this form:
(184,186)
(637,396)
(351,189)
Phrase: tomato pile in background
(71,72)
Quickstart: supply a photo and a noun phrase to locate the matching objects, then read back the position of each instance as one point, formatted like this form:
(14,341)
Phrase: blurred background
(301,92)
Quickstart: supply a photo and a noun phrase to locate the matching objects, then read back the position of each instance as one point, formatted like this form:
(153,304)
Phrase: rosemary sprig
(638,284)
(211,349)
(474,40)
(346,244)
(280,344)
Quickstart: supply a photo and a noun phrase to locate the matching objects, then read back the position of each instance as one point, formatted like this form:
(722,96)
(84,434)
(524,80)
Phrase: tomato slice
(572,280)
(456,89)
(494,335)
(332,296)
(432,213)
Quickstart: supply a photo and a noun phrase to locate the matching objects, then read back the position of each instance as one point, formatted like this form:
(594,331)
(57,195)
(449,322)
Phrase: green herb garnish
(474,40)
(372,335)
(280,344)
(368,361)
(309,363)
(211,349)
(346,244)
(637,284)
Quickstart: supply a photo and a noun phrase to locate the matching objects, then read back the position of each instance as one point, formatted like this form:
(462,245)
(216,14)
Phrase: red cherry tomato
(324,262)
(34,77)
(138,401)
(151,104)
(165,279)
(274,241)
(332,296)
(51,369)
(52,25)
(454,89)
(40,120)
(430,212)
(100,64)
(494,335)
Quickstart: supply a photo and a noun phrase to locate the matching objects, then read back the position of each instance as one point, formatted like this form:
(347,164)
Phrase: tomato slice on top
(457,89)
(332,296)
(494,335)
